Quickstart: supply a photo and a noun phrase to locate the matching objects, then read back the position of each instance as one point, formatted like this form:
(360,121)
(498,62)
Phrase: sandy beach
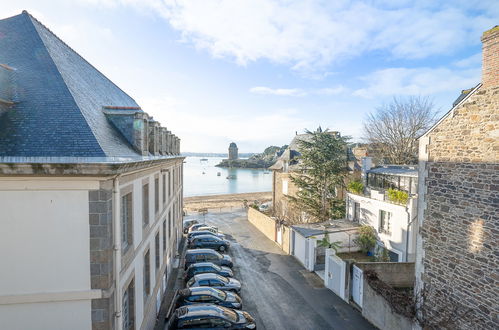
(196,203)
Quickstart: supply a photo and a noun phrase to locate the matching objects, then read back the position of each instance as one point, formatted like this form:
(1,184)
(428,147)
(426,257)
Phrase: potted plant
(366,239)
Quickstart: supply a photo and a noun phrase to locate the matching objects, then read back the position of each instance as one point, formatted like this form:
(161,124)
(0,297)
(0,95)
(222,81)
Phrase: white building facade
(395,223)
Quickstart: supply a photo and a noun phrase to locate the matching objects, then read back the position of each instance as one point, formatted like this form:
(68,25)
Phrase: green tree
(324,168)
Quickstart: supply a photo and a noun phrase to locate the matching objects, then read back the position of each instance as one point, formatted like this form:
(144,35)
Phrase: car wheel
(222,248)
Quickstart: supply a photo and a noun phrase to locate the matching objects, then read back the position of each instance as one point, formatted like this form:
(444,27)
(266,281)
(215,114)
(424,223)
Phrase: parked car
(202,316)
(193,234)
(188,223)
(215,281)
(199,225)
(203,294)
(207,267)
(207,255)
(210,242)
(210,229)
(264,207)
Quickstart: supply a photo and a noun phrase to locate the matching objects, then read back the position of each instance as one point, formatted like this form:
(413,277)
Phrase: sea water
(200,178)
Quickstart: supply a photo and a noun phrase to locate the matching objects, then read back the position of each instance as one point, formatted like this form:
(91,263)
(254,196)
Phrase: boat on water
(231,177)
(218,173)
(203,160)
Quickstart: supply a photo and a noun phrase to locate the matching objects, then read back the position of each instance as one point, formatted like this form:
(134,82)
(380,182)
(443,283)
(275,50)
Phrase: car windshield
(223,279)
(230,315)
(217,267)
(191,282)
(220,294)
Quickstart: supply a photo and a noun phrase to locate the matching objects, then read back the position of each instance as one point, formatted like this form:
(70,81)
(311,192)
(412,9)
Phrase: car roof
(203,264)
(201,232)
(207,236)
(203,290)
(200,310)
(206,276)
(199,251)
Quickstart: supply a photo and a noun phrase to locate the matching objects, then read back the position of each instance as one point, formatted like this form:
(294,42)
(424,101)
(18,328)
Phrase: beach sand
(196,203)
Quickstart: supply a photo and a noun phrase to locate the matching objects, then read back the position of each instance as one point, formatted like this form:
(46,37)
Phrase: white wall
(369,215)
(299,248)
(74,315)
(44,253)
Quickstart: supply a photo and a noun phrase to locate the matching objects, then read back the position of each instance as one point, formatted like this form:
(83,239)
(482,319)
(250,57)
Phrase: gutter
(117,254)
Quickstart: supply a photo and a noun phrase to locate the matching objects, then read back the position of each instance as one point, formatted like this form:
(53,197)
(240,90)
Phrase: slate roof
(58,97)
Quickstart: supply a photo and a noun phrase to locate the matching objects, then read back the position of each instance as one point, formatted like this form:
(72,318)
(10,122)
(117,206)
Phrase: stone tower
(233,151)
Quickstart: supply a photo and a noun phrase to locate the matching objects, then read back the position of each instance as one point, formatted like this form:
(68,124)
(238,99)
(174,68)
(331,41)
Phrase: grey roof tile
(59,98)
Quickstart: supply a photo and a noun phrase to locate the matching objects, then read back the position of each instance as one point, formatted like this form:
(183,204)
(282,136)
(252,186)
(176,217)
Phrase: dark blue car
(196,295)
(207,267)
(209,316)
(209,242)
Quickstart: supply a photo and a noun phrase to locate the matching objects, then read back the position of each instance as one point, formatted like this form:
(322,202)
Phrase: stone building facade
(457,261)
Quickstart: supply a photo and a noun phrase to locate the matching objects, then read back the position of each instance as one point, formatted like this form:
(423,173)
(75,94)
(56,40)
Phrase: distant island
(263,160)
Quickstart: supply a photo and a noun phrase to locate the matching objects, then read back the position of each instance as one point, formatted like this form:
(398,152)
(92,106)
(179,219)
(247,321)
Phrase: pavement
(277,290)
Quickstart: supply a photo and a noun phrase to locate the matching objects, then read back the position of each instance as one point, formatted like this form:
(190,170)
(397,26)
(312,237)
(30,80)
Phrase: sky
(255,72)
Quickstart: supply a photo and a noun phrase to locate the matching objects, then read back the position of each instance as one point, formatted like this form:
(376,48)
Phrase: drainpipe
(409,223)
(117,254)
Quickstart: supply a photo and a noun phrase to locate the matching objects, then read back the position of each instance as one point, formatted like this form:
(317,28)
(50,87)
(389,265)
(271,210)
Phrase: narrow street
(277,290)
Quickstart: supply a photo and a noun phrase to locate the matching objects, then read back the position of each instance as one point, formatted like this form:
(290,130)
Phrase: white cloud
(472,61)
(277,91)
(314,33)
(417,81)
(297,91)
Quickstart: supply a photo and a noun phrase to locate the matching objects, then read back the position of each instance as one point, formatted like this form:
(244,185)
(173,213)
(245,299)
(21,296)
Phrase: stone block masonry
(101,254)
(460,231)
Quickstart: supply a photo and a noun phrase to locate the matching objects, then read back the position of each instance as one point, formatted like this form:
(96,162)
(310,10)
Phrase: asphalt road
(277,291)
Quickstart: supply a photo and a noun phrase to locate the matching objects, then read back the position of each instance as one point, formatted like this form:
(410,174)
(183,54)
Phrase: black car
(203,294)
(215,281)
(193,234)
(209,242)
(202,316)
(206,255)
(207,267)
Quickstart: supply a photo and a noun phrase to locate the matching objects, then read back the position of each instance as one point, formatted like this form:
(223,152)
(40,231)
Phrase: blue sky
(257,71)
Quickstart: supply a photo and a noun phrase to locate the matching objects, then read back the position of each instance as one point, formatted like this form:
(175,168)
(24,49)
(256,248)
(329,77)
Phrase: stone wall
(379,312)
(460,230)
(262,222)
(101,254)
(395,274)
(267,226)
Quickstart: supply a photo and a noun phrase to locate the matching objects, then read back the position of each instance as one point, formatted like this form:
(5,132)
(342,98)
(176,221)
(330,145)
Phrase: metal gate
(357,285)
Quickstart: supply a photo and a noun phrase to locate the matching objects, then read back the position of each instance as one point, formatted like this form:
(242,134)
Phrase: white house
(90,192)
(395,223)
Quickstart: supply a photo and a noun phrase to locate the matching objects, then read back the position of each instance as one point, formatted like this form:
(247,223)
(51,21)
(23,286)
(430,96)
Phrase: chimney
(490,58)
(153,137)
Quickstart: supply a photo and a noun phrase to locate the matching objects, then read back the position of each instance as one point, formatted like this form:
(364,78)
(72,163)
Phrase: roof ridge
(74,51)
